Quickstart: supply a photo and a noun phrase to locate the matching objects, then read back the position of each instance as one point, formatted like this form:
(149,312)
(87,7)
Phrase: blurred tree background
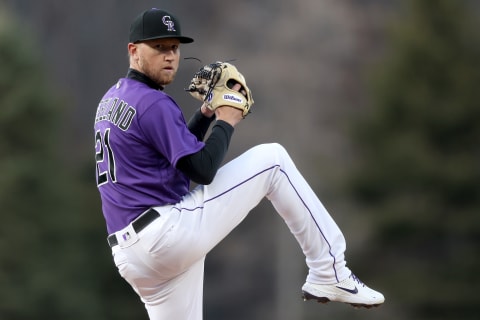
(397,163)
(418,173)
(48,269)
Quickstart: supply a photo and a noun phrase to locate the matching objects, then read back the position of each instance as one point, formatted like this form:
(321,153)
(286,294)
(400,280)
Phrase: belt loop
(125,235)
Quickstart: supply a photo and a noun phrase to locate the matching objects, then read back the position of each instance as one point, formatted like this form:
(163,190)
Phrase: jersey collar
(137,75)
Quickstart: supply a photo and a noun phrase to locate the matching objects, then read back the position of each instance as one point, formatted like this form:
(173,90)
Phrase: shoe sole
(308,296)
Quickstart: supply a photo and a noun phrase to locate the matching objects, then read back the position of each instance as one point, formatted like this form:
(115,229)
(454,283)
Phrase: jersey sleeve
(165,128)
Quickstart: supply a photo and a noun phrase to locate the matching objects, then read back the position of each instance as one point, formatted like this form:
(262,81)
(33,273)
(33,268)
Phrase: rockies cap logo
(167,20)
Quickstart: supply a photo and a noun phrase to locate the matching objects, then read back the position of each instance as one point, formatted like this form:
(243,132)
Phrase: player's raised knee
(273,151)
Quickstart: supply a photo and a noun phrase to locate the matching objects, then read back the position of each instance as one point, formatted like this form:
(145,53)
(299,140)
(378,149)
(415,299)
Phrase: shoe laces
(357,280)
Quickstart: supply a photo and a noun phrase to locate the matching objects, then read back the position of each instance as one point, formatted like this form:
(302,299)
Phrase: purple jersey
(140,134)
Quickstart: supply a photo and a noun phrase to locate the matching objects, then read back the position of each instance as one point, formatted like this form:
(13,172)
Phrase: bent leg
(209,213)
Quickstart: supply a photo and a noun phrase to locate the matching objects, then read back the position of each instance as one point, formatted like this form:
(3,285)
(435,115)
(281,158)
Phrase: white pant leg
(183,296)
(166,293)
(165,267)
(211,212)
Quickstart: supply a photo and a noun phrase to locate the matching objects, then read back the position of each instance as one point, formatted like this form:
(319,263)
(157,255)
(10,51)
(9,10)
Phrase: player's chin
(165,80)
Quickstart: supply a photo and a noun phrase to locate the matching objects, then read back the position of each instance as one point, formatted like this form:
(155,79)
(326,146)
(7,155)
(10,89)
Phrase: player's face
(158,59)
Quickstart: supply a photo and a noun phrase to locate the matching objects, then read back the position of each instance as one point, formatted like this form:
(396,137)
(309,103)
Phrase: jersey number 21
(103,142)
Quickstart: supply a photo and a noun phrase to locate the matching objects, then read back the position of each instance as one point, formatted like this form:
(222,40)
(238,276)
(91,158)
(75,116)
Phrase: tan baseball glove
(213,85)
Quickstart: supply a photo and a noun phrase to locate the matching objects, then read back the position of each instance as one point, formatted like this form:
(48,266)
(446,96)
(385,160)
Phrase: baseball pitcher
(146,155)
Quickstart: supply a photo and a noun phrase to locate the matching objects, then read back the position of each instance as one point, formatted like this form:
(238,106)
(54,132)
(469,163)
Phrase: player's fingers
(237,87)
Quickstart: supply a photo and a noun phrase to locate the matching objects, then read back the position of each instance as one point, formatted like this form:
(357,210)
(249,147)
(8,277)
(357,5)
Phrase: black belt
(138,225)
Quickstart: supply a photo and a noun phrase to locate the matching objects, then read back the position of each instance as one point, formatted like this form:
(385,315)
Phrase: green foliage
(52,265)
(418,173)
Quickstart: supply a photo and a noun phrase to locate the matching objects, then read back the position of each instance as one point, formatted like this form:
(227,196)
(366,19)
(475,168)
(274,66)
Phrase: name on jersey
(115,111)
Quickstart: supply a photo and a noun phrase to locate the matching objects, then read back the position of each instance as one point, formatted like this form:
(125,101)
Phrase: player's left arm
(202,166)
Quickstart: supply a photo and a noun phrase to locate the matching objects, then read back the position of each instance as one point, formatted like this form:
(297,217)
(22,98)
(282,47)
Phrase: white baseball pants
(164,263)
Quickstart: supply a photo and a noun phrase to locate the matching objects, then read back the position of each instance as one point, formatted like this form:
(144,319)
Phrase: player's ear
(132,49)
(132,53)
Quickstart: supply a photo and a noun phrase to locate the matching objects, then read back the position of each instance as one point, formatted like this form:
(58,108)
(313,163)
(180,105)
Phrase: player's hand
(229,114)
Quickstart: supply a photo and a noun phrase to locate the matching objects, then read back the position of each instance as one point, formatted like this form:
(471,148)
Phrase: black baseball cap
(156,24)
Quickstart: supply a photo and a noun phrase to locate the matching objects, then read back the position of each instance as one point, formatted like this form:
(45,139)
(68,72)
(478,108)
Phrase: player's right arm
(200,122)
